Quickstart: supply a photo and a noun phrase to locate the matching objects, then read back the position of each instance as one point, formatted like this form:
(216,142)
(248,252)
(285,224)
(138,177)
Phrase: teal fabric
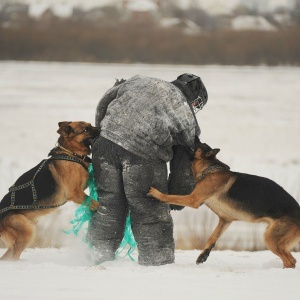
(83,215)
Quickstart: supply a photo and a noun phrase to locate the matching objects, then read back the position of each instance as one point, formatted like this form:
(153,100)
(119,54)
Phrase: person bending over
(145,123)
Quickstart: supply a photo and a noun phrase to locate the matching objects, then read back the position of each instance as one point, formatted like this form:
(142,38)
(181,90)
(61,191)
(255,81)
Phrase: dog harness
(72,158)
(30,183)
(209,170)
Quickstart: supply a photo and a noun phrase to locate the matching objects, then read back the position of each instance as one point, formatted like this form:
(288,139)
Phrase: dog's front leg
(183,200)
(82,197)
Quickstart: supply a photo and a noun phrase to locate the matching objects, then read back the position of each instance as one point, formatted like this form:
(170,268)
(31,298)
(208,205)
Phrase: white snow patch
(142,5)
(251,23)
(36,10)
(49,274)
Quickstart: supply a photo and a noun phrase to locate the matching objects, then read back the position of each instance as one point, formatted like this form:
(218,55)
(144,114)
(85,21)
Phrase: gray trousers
(123,180)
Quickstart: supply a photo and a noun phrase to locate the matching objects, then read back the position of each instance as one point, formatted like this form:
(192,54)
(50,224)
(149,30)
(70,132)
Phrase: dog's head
(77,136)
(206,156)
(201,150)
(204,151)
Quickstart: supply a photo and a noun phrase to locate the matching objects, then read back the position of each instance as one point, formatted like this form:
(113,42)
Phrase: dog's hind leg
(280,237)
(7,255)
(221,227)
(25,237)
(19,233)
(8,237)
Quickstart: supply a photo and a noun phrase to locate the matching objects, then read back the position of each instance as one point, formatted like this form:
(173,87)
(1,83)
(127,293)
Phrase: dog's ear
(64,123)
(64,128)
(212,153)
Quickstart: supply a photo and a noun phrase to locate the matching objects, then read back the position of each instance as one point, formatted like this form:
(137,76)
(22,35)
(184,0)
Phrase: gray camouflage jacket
(147,116)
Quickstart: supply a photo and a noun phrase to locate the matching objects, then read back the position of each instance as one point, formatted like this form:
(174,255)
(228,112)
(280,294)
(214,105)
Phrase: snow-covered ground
(252,115)
(45,274)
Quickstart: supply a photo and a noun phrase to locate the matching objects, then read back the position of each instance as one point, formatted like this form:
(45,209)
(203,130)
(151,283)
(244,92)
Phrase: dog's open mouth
(88,142)
(94,133)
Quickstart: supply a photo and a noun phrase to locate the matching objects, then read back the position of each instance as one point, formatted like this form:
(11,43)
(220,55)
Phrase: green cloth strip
(83,215)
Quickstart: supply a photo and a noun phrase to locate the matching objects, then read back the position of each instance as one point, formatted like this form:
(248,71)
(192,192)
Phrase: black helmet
(197,88)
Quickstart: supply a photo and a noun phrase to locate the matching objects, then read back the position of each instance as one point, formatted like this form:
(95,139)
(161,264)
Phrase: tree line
(130,43)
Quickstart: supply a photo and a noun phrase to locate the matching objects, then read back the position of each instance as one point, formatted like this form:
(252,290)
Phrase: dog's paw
(153,192)
(200,260)
(94,205)
(203,257)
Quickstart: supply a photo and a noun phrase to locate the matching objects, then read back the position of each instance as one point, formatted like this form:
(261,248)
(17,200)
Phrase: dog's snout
(95,131)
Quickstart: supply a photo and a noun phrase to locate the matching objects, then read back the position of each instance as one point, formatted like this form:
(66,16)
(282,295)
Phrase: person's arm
(181,179)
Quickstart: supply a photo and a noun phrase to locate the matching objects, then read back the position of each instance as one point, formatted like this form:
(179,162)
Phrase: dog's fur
(57,182)
(236,196)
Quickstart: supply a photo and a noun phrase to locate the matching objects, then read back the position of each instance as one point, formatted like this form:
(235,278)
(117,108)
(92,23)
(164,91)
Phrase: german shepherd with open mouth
(237,196)
(60,178)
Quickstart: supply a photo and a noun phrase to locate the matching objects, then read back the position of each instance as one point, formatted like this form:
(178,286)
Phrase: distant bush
(129,42)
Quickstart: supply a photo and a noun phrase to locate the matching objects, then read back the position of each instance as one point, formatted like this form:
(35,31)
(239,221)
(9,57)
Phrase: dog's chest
(225,209)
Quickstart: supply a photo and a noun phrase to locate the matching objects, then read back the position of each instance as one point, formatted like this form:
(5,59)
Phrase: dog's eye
(87,129)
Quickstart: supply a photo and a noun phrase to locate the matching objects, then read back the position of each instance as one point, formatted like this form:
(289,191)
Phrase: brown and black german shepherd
(60,178)
(236,196)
